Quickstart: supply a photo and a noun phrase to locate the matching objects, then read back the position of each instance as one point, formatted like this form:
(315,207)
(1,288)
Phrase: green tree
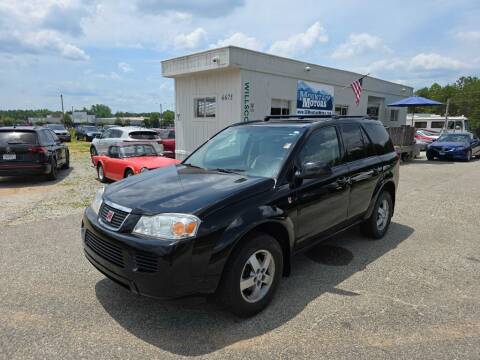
(101,111)
(67,121)
(168,118)
(154,120)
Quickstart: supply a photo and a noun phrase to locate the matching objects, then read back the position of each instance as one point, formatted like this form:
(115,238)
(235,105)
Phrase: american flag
(357,89)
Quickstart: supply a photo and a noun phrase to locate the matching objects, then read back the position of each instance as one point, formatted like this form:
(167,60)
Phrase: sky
(109,51)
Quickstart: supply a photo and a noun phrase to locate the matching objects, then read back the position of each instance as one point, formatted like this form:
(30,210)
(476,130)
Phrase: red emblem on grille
(109,215)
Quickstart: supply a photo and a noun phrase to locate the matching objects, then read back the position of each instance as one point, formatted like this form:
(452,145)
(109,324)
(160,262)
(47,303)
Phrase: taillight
(38,150)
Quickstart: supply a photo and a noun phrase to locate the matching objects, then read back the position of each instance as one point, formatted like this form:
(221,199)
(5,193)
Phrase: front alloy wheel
(257,276)
(251,275)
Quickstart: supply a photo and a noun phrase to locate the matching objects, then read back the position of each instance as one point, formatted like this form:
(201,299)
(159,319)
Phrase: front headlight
(168,226)
(97,200)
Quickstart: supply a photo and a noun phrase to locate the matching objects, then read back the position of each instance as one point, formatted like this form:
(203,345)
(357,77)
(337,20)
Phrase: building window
(205,107)
(280,107)
(421,124)
(393,115)
(341,110)
(372,111)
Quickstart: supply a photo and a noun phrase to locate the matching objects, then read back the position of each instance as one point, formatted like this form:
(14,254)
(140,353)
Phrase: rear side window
(143,135)
(11,137)
(353,140)
(380,138)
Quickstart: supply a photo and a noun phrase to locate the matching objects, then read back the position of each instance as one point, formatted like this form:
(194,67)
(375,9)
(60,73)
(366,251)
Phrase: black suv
(229,218)
(31,151)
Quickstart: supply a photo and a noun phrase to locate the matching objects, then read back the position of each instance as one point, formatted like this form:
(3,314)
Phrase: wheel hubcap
(100,172)
(257,276)
(383,214)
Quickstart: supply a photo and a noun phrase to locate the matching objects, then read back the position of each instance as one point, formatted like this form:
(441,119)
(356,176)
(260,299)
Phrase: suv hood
(449,143)
(181,189)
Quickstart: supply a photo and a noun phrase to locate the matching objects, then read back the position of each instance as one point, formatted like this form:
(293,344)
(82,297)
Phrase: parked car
(61,132)
(454,146)
(87,132)
(127,159)
(423,138)
(112,136)
(31,151)
(168,141)
(228,219)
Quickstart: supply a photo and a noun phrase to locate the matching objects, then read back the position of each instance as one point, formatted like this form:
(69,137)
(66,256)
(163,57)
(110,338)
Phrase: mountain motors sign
(314,98)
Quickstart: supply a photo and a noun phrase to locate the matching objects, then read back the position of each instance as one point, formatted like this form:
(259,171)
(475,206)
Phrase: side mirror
(312,170)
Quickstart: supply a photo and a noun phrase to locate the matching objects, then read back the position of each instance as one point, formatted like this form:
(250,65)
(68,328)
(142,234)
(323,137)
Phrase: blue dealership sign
(314,98)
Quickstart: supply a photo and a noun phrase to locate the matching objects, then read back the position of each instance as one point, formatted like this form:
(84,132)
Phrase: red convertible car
(123,160)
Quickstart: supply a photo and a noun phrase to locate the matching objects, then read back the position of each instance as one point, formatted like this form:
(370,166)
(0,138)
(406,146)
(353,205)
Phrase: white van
(436,123)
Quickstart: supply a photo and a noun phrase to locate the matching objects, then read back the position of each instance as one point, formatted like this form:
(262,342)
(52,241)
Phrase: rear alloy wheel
(93,151)
(377,224)
(52,175)
(129,173)
(101,173)
(251,275)
(67,161)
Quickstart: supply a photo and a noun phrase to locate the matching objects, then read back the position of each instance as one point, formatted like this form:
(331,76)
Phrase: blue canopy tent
(413,102)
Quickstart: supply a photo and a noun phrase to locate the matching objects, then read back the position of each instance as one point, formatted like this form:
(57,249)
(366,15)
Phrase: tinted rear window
(380,138)
(353,140)
(11,137)
(144,135)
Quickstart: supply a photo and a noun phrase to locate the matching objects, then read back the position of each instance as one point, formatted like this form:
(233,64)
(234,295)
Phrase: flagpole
(363,77)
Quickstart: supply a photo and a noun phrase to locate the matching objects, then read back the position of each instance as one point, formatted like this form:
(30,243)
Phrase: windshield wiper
(16,142)
(229,171)
(193,166)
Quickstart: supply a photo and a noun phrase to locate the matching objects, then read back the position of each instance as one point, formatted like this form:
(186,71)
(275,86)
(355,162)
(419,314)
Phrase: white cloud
(301,42)
(358,44)
(204,8)
(125,67)
(435,61)
(41,42)
(241,40)
(192,40)
(468,35)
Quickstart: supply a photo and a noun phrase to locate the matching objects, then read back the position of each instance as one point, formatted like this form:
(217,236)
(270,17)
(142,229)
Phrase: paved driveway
(414,294)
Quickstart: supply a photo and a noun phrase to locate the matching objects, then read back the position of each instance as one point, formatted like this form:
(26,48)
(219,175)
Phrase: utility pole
(161,115)
(446,115)
(63,112)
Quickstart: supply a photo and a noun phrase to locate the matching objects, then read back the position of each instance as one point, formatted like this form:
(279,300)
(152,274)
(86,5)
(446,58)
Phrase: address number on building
(227,97)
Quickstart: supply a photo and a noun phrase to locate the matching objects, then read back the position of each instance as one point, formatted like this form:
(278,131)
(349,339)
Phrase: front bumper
(450,154)
(152,268)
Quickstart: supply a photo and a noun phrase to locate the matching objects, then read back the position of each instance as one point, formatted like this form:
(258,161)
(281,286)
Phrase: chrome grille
(116,219)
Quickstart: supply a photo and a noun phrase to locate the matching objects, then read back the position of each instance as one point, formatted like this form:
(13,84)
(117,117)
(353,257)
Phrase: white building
(437,122)
(81,117)
(218,87)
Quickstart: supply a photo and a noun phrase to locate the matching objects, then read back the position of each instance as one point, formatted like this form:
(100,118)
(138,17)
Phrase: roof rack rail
(312,116)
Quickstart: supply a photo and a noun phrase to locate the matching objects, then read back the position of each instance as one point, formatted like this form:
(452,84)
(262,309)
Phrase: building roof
(233,57)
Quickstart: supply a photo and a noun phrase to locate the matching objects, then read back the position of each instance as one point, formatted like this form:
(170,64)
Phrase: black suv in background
(31,151)
(87,132)
(229,218)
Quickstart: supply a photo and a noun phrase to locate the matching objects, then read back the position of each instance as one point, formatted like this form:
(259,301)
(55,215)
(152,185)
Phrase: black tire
(101,173)
(469,156)
(128,173)
(93,151)
(78,138)
(430,157)
(237,268)
(53,174)
(67,161)
(374,227)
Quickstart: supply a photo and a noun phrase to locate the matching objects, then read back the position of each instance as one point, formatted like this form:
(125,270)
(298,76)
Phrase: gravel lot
(414,294)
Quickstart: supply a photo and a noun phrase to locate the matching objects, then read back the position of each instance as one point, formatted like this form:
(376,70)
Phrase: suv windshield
(17,137)
(454,138)
(250,150)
